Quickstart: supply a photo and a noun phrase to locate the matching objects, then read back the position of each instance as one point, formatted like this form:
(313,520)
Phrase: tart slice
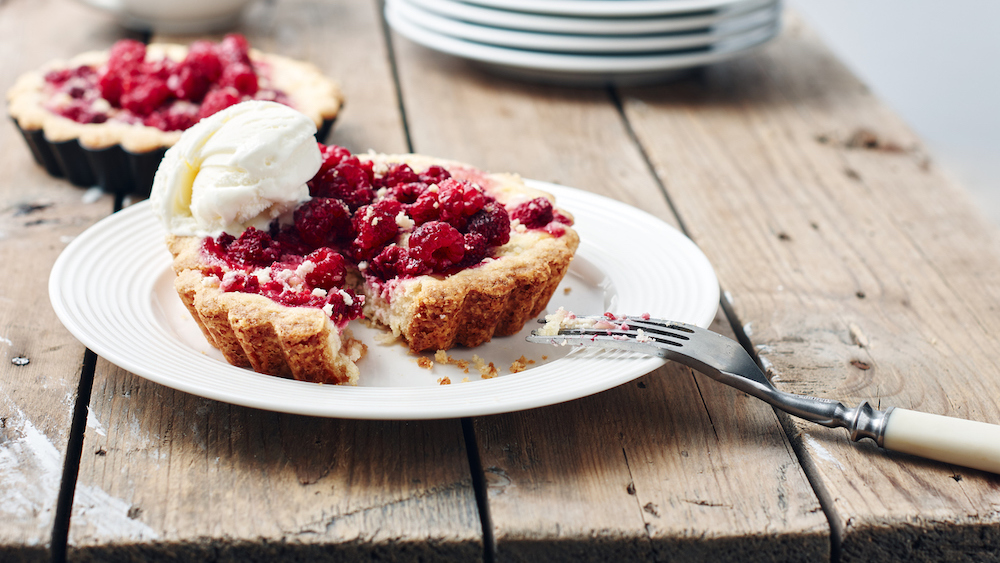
(438,252)
(107,117)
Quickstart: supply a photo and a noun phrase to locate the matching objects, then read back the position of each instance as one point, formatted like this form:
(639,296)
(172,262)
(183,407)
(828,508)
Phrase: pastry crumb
(567,290)
(486,371)
(545,358)
(520,364)
(444,381)
(465,380)
(425,362)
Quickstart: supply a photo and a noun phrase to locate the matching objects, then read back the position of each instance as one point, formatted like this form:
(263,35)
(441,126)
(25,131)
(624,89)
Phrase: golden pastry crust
(309,91)
(495,298)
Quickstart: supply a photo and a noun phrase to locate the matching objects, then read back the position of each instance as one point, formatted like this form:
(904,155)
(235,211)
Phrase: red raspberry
(458,200)
(396,261)
(234,48)
(218,100)
(492,222)
(398,174)
(375,226)
(82,113)
(110,86)
(253,249)
(58,76)
(425,209)
(533,214)
(407,193)
(240,76)
(323,221)
(203,61)
(438,244)
(475,249)
(434,174)
(145,96)
(342,312)
(346,181)
(332,156)
(126,55)
(330,270)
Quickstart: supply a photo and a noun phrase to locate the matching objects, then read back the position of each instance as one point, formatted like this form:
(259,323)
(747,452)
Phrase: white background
(936,63)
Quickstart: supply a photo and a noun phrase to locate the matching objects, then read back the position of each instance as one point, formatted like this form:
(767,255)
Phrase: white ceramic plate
(582,68)
(524,21)
(612,8)
(572,43)
(112,287)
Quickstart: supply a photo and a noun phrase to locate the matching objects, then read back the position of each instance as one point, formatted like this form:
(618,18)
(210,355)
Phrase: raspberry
(492,222)
(146,96)
(218,100)
(241,77)
(202,60)
(407,193)
(330,270)
(110,86)
(81,113)
(332,156)
(396,261)
(126,55)
(425,208)
(322,221)
(346,181)
(254,249)
(234,48)
(59,76)
(160,68)
(438,244)
(458,200)
(434,174)
(375,226)
(399,174)
(291,243)
(533,214)
(341,312)
(475,249)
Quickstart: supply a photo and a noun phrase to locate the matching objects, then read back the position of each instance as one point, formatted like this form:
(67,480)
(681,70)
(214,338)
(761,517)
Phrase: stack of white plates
(588,41)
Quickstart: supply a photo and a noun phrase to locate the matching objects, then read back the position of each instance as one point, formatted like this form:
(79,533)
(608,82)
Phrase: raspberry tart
(436,251)
(106,118)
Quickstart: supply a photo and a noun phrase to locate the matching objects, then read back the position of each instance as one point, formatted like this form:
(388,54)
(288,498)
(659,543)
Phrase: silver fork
(951,440)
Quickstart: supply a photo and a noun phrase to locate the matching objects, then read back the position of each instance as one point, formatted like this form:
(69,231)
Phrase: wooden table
(848,262)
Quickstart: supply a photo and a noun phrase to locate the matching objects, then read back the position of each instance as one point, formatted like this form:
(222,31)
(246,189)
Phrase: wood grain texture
(166,476)
(639,472)
(855,267)
(39,216)
(671,467)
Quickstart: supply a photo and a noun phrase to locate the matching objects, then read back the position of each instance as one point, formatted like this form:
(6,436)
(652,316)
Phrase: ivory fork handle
(951,440)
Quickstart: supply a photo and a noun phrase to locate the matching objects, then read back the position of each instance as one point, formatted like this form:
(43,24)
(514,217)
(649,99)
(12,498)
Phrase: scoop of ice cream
(242,167)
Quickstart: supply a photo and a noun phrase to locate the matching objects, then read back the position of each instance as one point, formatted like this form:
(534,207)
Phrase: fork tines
(626,332)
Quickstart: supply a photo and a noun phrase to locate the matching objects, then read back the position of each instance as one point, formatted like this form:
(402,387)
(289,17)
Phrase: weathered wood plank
(40,215)
(638,472)
(168,476)
(856,268)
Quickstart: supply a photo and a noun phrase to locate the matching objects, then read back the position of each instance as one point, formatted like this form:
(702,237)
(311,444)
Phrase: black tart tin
(114,169)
